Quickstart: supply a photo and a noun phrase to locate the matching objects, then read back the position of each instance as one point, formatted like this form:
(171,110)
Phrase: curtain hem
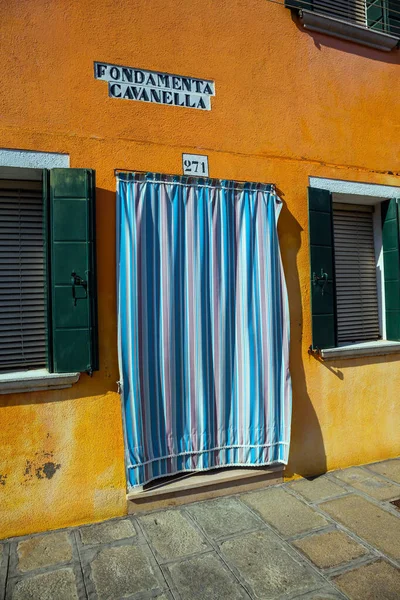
(132,486)
(253,456)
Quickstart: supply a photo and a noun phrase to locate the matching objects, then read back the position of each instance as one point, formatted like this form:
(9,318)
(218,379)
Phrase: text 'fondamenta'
(129,83)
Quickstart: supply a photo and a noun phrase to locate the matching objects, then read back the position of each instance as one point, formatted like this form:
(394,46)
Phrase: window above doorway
(374,23)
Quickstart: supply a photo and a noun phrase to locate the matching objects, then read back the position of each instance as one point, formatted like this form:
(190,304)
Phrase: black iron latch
(75,281)
(321,280)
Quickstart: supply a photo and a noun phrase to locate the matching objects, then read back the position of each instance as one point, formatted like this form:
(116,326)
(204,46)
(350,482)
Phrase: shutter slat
(22,276)
(355,265)
(358,306)
(34,327)
(31,316)
(350,294)
(19,350)
(13,343)
(353,320)
(13,363)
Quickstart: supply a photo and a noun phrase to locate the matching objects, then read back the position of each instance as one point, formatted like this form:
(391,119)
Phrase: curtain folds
(203,325)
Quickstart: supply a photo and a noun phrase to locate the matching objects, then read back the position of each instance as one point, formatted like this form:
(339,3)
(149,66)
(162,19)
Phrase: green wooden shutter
(72,265)
(391,261)
(323,302)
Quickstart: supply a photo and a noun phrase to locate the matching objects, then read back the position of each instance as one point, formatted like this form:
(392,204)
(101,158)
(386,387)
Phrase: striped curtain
(203,325)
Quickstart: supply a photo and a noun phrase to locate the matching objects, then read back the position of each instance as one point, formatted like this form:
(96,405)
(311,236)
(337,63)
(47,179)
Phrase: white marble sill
(35,380)
(377,348)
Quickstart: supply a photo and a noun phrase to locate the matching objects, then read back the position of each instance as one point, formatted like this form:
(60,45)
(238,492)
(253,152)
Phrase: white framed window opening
(359,266)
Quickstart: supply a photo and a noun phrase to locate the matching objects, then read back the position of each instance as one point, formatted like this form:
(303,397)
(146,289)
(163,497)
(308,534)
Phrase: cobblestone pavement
(337,536)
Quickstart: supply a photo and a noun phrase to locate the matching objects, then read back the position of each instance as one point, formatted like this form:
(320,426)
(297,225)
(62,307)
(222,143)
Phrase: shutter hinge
(316,352)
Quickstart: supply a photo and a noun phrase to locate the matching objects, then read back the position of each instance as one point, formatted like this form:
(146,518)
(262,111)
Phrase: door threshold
(191,487)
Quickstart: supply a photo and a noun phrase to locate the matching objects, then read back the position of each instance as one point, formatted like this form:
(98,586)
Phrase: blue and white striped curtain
(203,325)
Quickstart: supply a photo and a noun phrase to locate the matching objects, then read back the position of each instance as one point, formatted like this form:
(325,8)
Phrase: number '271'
(194,166)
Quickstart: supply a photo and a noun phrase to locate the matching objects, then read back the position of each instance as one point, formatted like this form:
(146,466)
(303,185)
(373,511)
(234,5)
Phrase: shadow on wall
(307,452)
(330,41)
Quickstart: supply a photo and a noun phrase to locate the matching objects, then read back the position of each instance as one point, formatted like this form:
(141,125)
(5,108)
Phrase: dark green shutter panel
(308,4)
(391,261)
(323,302)
(73,270)
(393,17)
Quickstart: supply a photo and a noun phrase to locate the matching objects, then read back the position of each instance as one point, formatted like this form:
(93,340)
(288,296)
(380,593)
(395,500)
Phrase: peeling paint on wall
(41,466)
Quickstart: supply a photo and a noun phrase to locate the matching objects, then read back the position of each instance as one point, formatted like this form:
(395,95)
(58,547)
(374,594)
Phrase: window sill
(36,380)
(379,348)
(347,31)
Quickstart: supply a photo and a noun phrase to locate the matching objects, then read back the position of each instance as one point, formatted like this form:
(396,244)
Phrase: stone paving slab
(172,535)
(286,513)
(223,517)
(376,581)
(44,551)
(267,565)
(205,578)
(121,571)
(331,549)
(369,483)
(388,468)
(370,522)
(60,584)
(317,489)
(109,531)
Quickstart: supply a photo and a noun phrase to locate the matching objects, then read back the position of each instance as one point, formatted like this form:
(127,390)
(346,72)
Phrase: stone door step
(191,487)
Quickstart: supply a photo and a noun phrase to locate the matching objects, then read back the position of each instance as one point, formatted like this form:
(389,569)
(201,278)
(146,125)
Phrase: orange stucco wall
(288,105)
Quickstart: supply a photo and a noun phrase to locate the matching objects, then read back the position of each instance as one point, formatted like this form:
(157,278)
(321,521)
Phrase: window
(47,269)
(22,279)
(358,20)
(355,273)
(355,269)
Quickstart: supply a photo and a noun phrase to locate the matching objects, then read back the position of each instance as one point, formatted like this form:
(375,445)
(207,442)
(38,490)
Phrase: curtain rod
(118,171)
